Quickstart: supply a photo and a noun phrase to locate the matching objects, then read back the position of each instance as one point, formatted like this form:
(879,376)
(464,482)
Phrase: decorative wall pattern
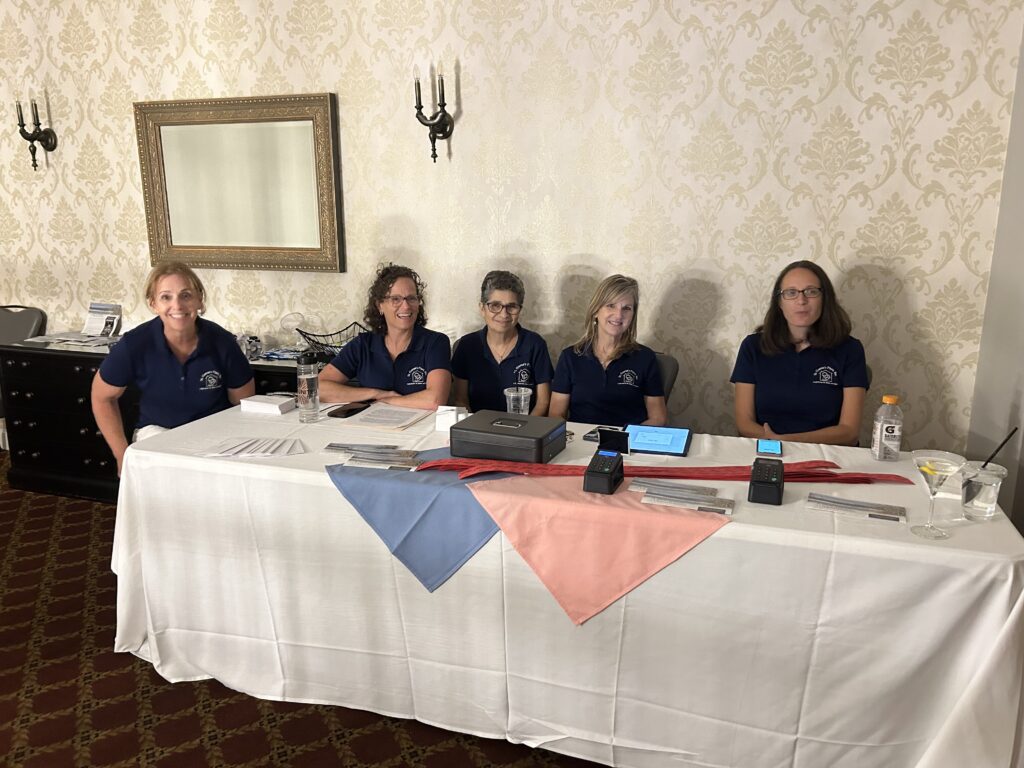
(696,144)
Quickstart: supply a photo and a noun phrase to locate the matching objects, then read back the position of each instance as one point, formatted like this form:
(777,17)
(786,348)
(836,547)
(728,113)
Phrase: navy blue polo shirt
(800,391)
(367,358)
(526,366)
(173,393)
(613,395)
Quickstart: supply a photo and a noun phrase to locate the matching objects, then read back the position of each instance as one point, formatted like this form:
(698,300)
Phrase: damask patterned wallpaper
(698,145)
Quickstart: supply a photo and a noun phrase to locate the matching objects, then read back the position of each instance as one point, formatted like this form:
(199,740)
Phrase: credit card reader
(766,482)
(604,473)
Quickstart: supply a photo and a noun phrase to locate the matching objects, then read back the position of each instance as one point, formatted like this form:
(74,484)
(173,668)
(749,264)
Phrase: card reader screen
(609,454)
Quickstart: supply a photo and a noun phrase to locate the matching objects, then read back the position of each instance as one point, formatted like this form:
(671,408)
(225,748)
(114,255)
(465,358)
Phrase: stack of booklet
(383,456)
(854,508)
(676,493)
(272,404)
(255,447)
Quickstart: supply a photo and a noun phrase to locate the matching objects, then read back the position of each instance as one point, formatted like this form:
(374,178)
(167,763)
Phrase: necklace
(500,353)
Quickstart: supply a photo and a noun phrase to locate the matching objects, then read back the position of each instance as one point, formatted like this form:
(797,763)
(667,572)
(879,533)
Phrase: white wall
(998,402)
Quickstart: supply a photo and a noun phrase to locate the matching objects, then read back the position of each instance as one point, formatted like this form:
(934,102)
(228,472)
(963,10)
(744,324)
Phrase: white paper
(102,320)
(384,416)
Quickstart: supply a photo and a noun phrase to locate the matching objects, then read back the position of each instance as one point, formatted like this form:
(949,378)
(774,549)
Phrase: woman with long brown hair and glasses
(801,376)
(398,360)
(607,377)
(502,354)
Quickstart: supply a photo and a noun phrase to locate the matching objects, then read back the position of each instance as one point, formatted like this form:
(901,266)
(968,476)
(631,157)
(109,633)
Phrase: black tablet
(670,441)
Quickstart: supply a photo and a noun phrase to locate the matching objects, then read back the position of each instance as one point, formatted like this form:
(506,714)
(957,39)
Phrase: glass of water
(980,489)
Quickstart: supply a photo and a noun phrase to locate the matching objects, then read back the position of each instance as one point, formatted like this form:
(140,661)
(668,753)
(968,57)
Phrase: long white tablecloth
(791,637)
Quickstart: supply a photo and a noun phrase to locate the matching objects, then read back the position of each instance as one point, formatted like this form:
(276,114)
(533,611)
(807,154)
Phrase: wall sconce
(46,137)
(440,123)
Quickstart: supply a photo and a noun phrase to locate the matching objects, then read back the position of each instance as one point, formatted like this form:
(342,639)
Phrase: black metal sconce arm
(441,124)
(46,137)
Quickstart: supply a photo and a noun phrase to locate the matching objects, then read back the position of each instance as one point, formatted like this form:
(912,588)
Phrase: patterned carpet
(67,700)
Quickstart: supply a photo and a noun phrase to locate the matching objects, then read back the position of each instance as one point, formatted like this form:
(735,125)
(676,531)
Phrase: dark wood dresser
(54,442)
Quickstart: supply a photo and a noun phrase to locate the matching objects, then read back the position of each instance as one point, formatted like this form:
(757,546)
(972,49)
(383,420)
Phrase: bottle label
(885,442)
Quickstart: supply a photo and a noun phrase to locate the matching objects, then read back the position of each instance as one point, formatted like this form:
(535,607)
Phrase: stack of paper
(273,404)
(855,508)
(255,447)
(384,416)
(675,493)
(367,455)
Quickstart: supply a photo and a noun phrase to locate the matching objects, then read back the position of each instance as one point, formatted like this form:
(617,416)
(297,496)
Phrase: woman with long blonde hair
(607,377)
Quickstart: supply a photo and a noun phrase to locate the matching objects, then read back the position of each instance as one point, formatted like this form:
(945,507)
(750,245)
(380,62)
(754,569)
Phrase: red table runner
(814,471)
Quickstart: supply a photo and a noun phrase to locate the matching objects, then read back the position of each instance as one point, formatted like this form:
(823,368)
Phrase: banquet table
(790,637)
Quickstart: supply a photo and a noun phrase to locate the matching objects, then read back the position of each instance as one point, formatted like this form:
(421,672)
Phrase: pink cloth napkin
(589,549)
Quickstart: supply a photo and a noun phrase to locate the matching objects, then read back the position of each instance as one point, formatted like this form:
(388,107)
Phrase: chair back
(18,323)
(669,368)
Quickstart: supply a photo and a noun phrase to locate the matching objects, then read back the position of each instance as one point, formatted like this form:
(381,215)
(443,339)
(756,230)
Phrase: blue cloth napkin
(429,520)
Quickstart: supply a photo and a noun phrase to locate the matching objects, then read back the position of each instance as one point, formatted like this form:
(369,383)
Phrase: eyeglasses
(396,301)
(789,294)
(495,307)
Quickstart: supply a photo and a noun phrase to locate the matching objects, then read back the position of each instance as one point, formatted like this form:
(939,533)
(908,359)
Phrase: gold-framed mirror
(243,183)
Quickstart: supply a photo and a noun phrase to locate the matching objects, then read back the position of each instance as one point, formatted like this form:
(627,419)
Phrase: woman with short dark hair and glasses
(502,353)
(398,361)
(801,376)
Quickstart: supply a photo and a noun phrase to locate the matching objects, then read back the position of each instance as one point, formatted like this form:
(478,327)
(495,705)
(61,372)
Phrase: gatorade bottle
(888,430)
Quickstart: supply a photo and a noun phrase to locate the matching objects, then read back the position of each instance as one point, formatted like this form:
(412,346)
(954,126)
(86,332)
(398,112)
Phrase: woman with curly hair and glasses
(502,353)
(607,377)
(398,361)
(801,376)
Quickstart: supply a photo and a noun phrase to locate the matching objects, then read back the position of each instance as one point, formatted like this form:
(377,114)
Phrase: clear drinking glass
(936,467)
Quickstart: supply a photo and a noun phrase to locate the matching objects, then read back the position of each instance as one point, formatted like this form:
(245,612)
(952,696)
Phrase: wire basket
(330,344)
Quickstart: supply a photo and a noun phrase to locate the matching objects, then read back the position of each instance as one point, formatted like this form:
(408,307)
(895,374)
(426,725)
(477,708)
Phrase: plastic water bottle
(888,430)
(308,391)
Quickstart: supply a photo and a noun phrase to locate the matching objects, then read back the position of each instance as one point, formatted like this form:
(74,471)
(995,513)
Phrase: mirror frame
(321,108)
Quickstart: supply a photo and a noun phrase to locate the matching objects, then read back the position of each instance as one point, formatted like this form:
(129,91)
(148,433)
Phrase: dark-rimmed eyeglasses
(495,307)
(396,301)
(811,292)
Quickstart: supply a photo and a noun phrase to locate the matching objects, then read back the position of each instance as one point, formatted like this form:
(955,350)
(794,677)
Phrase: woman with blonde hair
(607,377)
(184,367)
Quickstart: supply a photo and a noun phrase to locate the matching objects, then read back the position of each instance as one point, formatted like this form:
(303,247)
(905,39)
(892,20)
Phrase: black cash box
(508,437)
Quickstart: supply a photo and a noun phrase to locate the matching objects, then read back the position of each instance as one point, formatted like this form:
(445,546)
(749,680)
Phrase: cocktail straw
(999,447)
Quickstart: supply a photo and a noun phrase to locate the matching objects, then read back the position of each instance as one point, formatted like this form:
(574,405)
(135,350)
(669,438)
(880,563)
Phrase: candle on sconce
(440,88)
(419,100)
(21,117)
(35,112)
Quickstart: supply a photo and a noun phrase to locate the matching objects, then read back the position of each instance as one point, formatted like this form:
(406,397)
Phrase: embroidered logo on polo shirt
(210,380)
(628,378)
(826,374)
(417,375)
(523,374)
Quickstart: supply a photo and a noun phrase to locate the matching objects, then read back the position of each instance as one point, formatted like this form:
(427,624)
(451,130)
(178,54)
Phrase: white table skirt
(791,637)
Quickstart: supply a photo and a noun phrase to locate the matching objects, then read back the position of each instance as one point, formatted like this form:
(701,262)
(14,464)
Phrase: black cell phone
(345,410)
(592,436)
(769,447)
